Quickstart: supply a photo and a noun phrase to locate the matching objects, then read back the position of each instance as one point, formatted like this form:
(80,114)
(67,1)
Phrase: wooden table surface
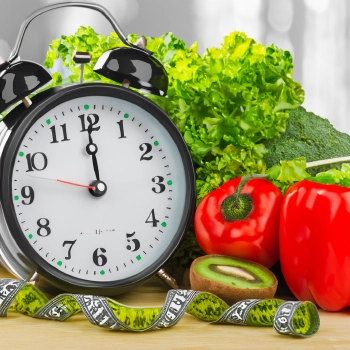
(22,332)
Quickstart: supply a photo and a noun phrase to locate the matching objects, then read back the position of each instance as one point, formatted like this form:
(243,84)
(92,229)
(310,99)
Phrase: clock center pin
(100,188)
(91,149)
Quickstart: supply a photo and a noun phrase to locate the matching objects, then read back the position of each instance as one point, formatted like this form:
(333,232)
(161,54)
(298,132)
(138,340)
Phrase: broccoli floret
(310,136)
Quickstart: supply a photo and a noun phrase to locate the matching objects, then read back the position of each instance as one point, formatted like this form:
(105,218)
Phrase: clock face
(98,186)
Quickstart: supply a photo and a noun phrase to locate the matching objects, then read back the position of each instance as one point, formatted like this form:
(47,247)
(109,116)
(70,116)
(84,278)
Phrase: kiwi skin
(232,294)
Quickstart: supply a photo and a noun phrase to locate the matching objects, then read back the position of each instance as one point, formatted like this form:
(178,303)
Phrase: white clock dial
(126,229)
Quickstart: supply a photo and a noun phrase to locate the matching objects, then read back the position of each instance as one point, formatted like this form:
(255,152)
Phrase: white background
(317,32)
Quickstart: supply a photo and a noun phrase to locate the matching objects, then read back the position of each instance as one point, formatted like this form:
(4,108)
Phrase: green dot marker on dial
(21,154)
(169,182)
(138,257)
(48,122)
(163,224)
(59,263)
(30,236)
(156,143)
(16,198)
(126,115)
(86,107)
(102,272)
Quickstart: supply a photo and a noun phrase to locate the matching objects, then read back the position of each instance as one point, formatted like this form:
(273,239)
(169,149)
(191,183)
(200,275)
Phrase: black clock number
(121,129)
(152,219)
(158,181)
(92,120)
(147,147)
(54,137)
(44,229)
(135,242)
(99,259)
(71,243)
(27,194)
(37,161)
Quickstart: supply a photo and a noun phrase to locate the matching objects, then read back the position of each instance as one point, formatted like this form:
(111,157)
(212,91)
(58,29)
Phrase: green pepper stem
(238,206)
(247,178)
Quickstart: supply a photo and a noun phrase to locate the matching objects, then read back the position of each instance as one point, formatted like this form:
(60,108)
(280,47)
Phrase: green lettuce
(286,173)
(228,100)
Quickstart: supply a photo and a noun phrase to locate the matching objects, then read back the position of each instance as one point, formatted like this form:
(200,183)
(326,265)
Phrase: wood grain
(22,332)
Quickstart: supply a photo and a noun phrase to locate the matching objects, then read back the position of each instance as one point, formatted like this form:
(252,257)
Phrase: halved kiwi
(232,279)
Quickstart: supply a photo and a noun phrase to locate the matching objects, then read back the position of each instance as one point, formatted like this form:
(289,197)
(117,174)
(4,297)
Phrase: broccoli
(310,136)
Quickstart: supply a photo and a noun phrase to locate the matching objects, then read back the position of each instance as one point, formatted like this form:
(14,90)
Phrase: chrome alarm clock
(97,185)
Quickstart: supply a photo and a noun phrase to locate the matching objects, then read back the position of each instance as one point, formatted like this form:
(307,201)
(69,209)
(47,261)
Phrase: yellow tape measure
(287,317)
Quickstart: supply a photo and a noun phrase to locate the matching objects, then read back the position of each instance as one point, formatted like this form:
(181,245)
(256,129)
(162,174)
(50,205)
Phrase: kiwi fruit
(232,279)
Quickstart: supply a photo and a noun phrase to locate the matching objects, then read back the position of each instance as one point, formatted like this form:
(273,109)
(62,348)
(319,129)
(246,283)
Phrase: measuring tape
(287,317)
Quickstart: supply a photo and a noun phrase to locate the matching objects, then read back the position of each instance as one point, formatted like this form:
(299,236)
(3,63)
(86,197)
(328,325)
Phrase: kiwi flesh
(232,279)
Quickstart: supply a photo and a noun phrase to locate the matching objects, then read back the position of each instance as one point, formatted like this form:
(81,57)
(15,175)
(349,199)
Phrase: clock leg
(32,277)
(164,276)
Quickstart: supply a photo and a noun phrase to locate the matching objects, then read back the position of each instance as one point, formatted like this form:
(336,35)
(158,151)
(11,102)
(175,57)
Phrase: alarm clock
(97,185)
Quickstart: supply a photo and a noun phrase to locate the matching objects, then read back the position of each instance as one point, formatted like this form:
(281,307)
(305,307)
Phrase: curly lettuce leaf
(85,40)
(288,172)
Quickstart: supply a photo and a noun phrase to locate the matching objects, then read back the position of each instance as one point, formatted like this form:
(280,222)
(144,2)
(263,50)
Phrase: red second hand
(74,184)
(65,182)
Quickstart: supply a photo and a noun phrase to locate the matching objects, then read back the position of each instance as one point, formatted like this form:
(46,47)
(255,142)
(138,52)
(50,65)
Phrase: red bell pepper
(315,243)
(241,219)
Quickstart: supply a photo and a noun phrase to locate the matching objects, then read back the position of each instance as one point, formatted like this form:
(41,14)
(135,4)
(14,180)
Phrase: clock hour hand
(92,149)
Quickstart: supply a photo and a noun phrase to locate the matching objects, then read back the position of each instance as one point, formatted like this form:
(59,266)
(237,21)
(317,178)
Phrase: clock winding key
(82,58)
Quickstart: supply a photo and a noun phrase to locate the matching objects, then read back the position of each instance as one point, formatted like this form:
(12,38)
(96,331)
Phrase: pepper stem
(238,206)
